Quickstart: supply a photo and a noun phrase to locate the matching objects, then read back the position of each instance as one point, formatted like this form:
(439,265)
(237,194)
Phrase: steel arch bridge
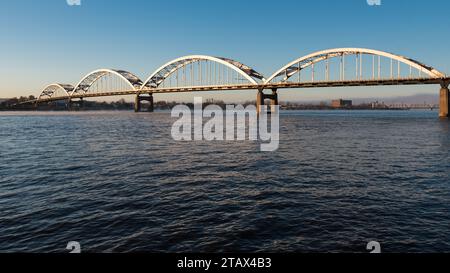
(338,67)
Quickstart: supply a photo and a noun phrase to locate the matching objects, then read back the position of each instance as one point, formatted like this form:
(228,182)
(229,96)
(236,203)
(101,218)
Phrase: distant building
(379,105)
(341,103)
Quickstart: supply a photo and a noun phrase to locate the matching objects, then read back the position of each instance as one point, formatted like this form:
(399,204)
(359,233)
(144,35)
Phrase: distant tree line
(122,105)
(14,105)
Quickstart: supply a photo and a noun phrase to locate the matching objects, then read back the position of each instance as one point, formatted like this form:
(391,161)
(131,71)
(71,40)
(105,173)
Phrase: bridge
(339,67)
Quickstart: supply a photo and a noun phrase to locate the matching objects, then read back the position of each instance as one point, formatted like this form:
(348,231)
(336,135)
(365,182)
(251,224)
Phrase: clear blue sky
(49,41)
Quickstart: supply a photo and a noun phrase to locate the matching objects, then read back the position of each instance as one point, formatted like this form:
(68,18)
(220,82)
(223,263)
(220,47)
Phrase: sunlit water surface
(117,182)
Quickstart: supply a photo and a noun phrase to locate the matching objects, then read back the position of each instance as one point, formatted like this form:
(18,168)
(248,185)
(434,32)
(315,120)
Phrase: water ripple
(116,182)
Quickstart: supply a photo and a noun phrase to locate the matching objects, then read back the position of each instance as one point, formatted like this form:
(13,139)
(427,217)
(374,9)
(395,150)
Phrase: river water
(117,182)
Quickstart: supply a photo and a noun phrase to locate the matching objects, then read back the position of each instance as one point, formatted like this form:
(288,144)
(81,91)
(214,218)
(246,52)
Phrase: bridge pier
(444,100)
(261,100)
(74,105)
(138,104)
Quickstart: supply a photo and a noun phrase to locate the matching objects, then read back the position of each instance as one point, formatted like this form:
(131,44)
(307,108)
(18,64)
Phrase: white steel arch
(308,60)
(169,68)
(129,78)
(56,90)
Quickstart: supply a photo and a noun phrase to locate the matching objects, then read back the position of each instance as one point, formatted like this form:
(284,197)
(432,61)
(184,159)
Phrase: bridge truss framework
(339,67)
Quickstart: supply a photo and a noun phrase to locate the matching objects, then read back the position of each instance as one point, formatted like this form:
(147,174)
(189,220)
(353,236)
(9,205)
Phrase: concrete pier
(444,100)
(138,104)
(74,105)
(261,100)
(273,100)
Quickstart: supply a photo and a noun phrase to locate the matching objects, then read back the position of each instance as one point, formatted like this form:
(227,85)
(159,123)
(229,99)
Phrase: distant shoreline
(122,105)
(168,110)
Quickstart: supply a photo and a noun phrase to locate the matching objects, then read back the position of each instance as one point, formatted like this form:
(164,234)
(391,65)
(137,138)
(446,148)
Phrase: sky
(47,41)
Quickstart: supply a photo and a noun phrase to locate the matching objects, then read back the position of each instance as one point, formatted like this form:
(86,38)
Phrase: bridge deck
(269,86)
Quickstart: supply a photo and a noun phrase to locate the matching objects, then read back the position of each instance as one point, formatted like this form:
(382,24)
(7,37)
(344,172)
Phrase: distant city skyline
(51,44)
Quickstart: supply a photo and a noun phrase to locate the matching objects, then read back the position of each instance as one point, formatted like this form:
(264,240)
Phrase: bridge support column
(273,100)
(444,101)
(151,107)
(138,104)
(81,104)
(74,105)
(261,100)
